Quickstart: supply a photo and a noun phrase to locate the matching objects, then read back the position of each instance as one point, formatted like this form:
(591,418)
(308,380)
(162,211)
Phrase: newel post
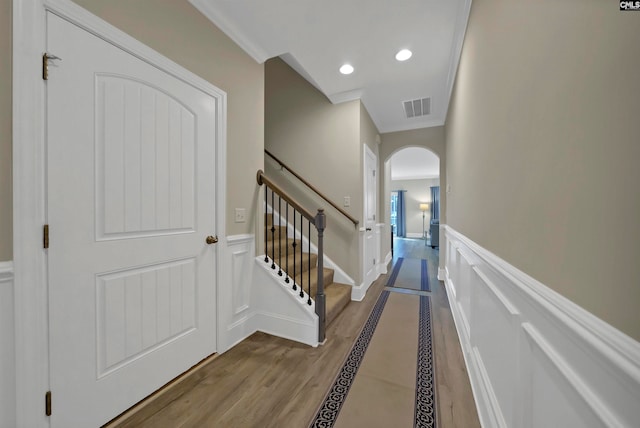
(321,222)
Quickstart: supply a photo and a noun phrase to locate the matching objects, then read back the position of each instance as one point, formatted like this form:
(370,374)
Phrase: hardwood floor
(267,381)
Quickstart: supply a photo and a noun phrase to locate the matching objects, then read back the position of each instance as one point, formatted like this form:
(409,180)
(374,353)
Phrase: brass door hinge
(47,403)
(45,64)
(45,236)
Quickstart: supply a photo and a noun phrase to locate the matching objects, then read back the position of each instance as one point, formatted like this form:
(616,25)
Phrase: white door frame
(29,186)
(367,151)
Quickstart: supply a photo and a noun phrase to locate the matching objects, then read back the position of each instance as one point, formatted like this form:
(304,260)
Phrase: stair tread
(338,296)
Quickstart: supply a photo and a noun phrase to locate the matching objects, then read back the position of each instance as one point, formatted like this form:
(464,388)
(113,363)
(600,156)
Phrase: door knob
(212,239)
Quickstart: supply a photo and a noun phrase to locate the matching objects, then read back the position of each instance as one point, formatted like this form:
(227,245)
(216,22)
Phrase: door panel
(131,198)
(370,208)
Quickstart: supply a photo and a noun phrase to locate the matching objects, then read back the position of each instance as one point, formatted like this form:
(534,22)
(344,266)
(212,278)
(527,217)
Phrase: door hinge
(45,236)
(374,217)
(374,172)
(374,262)
(45,64)
(47,403)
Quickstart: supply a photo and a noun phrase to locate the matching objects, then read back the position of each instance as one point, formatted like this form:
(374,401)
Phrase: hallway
(267,381)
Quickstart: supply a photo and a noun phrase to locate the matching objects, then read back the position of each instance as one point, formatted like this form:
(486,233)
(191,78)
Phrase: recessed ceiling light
(404,55)
(346,69)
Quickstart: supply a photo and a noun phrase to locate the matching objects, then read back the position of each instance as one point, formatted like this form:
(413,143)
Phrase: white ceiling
(317,37)
(414,163)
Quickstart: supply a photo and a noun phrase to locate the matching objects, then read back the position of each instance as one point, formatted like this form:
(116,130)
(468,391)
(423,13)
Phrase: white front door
(370,208)
(131,199)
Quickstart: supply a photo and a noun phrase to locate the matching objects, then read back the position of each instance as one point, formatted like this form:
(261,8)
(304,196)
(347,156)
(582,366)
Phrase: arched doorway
(411,194)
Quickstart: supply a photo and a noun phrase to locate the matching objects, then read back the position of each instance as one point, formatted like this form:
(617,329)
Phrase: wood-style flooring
(267,381)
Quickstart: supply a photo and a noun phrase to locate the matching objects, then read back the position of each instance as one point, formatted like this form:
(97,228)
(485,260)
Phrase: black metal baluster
(273,233)
(294,250)
(309,270)
(279,236)
(301,258)
(287,244)
(266,225)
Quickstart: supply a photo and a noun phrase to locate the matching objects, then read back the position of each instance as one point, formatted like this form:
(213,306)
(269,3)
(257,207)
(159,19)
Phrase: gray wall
(6,207)
(543,146)
(323,143)
(177,30)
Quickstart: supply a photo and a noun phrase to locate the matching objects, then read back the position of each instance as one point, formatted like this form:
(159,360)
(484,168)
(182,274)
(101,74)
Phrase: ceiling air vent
(416,108)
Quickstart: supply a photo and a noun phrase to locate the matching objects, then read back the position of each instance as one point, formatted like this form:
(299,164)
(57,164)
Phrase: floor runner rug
(405,325)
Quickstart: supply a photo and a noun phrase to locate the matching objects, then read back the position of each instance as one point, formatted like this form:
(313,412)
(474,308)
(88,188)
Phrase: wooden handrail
(295,204)
(310,186)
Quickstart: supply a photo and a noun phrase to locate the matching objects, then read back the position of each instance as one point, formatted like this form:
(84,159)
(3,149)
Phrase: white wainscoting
(235,291)
(536,359)
(382,260)
(254,298)
(7,348)
(279,310)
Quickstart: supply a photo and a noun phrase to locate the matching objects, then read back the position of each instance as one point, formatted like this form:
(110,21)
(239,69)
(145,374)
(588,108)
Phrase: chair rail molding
(532,354)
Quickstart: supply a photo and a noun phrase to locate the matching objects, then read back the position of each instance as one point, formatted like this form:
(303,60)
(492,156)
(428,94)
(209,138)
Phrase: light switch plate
(240,215)
(347,201)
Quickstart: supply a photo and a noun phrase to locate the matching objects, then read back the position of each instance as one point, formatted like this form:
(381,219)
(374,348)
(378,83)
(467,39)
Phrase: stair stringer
(279,310)
(339,275)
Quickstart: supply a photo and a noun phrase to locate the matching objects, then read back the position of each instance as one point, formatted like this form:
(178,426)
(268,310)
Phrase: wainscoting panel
(236,310)
(7,348)
(536,359)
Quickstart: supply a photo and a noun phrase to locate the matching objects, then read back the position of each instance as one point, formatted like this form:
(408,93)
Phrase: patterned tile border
(425,414)
(395,272)
(424,277)
(328,412)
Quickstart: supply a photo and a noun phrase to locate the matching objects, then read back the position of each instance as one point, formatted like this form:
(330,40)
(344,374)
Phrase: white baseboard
(382,267)
(414,235)
(7,347)
(287,327)
(532,355)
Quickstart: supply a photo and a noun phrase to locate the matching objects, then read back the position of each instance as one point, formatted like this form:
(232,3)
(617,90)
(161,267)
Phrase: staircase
(287,256)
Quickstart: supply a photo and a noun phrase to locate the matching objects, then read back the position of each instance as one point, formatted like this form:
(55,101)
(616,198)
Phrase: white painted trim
(287,328)
(223,23)
(279,310)
(7,347)
(414,235)
(381,265)
(548,345)
(559,305)
(234,321)
(240,239)
(6,271)
(358,292)
(29,179)
(30,294)
(456,52)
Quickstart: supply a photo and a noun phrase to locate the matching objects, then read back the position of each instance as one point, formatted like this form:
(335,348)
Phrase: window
(394,212)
